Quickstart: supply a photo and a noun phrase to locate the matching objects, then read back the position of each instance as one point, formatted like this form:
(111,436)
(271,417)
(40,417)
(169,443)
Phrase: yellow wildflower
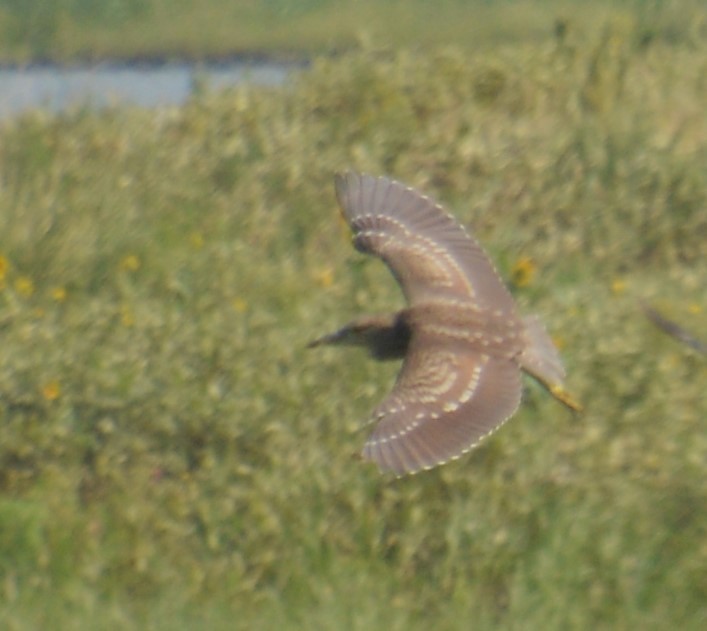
(59,294)
(197,240)
(694,308)
(130,263)
(51,390)
(24,286)
(126,316)
(324,277)
(4,266)
(618,286)
(559,342)
(523,272)
(240,305)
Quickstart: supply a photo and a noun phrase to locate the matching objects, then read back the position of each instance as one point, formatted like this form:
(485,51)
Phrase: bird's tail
(542,360)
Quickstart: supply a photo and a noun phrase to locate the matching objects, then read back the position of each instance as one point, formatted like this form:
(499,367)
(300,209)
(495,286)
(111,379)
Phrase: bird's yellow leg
(558,391)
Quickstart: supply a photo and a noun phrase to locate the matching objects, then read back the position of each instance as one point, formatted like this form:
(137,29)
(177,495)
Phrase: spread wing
(442,405)
(428,251)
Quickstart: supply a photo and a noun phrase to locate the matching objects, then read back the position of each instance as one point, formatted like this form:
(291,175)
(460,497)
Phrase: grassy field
(171,457)
(68,30)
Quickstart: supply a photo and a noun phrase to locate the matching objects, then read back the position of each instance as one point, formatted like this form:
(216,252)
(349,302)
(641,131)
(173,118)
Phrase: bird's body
(461,337)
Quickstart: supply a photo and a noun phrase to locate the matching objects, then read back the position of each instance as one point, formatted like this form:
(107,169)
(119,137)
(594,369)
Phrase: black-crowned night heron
(461,338)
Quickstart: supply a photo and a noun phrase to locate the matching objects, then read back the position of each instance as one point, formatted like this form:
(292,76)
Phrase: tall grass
(172,457)
(68,30)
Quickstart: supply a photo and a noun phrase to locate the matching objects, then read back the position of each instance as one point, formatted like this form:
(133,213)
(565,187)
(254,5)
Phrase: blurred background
(171,455)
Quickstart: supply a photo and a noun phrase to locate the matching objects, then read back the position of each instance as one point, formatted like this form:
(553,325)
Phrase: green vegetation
(172,458)
(66,30)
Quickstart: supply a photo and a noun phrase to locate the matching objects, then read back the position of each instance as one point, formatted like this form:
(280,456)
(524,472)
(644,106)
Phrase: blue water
(58,88)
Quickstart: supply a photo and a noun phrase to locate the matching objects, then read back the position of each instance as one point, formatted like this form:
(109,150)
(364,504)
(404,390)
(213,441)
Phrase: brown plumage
(461,338)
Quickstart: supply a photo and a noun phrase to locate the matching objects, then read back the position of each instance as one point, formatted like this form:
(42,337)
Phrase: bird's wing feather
(442,405)
(427,250)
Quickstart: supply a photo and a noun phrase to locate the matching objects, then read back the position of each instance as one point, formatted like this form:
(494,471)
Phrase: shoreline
(160,61)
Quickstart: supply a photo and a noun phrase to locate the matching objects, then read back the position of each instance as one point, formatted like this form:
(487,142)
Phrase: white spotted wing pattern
(460,379)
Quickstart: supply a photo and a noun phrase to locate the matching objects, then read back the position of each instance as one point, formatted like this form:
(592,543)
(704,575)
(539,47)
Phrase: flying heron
(461,338)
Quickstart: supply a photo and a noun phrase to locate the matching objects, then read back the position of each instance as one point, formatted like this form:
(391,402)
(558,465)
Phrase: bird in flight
(461,338)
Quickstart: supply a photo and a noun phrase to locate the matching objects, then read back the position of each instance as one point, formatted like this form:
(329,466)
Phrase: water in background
(57,88)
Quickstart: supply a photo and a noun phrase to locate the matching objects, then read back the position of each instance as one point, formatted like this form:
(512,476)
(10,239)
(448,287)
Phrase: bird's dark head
(385,337)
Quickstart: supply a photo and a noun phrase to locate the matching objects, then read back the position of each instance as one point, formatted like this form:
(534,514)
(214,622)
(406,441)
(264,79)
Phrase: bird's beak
(337,337)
